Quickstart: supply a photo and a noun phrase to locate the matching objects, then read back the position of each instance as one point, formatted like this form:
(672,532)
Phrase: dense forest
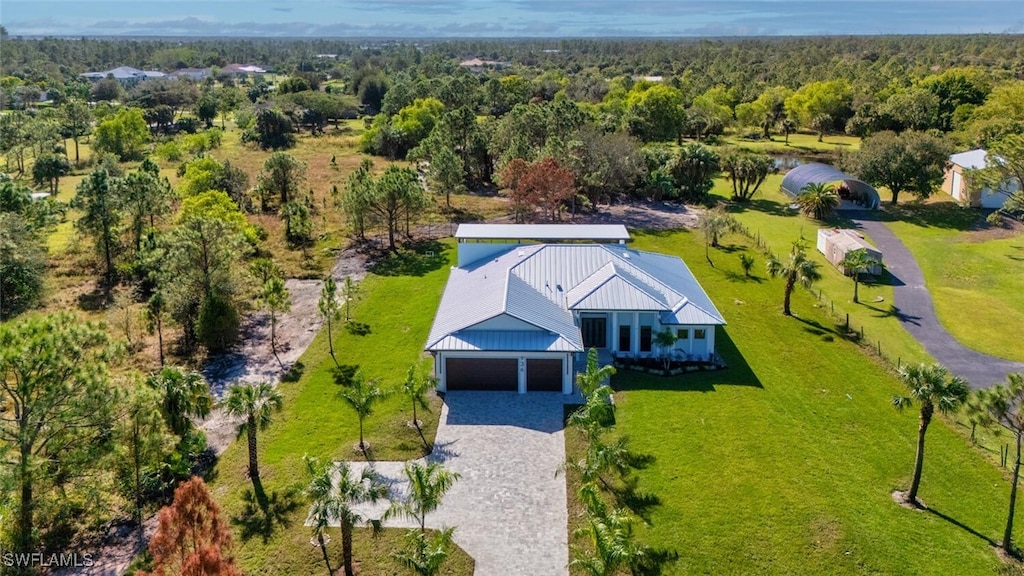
(191,239)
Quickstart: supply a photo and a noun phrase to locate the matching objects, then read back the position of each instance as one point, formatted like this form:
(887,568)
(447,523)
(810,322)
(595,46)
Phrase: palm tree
(613,546)
(818,200)
(428,483)
(323,502)
(255,403)
(186,395)
(932,387)
(788,127)
(330,310)
(595,376)
(422,556)
(277,300)
(821,123)
(362,397)
(855,263)
(797,269)
(715,223)
(1003,405)
(415,387)
(351,491)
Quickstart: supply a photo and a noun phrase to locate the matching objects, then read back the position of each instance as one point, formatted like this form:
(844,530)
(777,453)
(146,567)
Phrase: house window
(683,333)
(645,338)
(624,338)
(698,334)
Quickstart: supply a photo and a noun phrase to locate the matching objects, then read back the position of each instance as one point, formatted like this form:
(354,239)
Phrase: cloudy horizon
(508,18)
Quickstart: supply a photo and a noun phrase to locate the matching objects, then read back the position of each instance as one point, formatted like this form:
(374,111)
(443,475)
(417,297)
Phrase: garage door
(544,375)
(482,374)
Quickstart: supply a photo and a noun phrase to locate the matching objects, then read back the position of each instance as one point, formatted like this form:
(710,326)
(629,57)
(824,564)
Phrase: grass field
(769,217)
(974,272)
(799,144)
(398,305)
(785,462)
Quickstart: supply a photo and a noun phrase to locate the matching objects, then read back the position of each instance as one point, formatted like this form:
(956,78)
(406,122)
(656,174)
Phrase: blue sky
(504,18)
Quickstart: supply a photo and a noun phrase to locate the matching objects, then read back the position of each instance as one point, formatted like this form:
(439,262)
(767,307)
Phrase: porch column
(689,338)
(522,375)
(567,371)
(711,341)
(613,332)
(634,337)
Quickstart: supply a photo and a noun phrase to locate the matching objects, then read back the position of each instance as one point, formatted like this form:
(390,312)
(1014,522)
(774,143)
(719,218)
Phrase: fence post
(861,332)
(833,306)
(879,347)
(847,321)
(899,362)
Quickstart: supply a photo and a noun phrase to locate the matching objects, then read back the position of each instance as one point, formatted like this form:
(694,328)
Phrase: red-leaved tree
(545,184)
(191,538)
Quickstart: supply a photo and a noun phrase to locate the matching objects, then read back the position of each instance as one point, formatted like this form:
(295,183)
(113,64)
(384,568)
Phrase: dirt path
(252,360)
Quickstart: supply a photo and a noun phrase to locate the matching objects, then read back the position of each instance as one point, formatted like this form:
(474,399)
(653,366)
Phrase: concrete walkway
(509,507)
(916,312)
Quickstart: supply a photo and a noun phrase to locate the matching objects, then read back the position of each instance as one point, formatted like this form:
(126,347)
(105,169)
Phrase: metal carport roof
(815,173)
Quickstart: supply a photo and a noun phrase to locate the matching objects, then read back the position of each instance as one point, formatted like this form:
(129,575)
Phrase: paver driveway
(509,507)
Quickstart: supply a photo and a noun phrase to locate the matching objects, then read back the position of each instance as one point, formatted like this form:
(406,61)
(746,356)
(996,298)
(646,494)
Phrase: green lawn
(769,217)
(785,462)
(973,272)
(398,305)
(799,144)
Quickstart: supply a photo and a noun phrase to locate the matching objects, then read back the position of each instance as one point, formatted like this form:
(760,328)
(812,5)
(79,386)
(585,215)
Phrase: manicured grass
(798,143)
(974,272)
(785,462)
(399,308)
(769,217)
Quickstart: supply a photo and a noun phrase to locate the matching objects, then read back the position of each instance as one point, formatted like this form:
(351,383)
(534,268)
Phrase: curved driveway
(916,312)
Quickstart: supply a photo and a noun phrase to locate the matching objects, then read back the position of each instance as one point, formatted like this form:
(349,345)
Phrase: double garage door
(502,374)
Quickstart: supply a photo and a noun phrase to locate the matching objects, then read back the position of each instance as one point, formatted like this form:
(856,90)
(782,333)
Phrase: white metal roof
(542,232)
(543,284)
(972,159)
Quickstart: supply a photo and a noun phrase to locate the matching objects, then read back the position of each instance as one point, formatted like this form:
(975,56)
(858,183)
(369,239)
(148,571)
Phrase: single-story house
(243,70)
(520,316)
(126,75)
(196,74)
(836,243)
(854,194)
(957,182)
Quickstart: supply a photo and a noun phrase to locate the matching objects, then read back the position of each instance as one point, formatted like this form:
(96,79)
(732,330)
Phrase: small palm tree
(797,269)
(788,127)
(362,396)
(277,300)
(323,502)
(422,555)
(665,339)
(715,223)
(855,263)
(330,310)
(428,483)
(415,387)
(818,200)
(1003,406)
(932,387)
(613,546)
(595,376)
(351,491)
(747,264)
(186,395)
(255,404)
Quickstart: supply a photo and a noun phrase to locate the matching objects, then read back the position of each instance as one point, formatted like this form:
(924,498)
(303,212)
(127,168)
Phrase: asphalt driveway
(917,313)
(509,507)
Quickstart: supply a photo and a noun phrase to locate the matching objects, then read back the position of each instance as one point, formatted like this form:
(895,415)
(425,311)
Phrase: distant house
(518,316)
(836,243)
(478,65)
(196,74)
(126,75)
(243,70)
(957,182)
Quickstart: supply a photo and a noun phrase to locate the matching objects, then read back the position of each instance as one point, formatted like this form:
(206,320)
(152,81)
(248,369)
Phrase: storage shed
(854,194)
(836,243)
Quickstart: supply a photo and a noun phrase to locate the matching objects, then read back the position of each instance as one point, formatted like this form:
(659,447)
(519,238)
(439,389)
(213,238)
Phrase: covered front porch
(632,334)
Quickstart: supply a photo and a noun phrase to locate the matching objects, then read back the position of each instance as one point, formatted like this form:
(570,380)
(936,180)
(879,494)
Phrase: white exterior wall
(440,357)
(470,252)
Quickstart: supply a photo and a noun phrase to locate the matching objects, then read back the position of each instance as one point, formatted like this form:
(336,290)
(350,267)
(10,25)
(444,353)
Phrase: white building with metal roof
(958,181)
(519,317)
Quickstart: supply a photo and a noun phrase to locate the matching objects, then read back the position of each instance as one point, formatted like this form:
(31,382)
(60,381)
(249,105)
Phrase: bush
(994,219)
(188,125)
(169,151)
(218,323)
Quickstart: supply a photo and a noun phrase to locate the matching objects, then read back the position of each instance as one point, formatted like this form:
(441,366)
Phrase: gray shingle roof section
(595,232)
(542,284)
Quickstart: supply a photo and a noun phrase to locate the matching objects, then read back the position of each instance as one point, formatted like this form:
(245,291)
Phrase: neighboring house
(836,243)
(196,74)
(957,182)
(242,70)
(518,316)
(126,75)
(477,65)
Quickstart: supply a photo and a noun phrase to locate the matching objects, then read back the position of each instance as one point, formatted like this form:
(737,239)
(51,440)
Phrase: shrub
(169,151)
(218,323)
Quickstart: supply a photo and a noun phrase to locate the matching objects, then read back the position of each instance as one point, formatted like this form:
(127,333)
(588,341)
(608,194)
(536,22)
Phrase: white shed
(836,243)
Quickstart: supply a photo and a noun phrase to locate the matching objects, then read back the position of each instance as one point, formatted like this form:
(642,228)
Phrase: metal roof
(542,232)
(815,173)
(543,284)
(972,159)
